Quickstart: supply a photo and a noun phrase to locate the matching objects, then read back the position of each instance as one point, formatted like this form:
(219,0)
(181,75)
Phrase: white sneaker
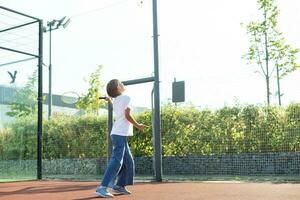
(102,192)
(120,190)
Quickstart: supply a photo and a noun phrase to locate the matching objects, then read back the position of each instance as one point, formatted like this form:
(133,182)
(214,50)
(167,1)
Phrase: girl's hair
(112,88)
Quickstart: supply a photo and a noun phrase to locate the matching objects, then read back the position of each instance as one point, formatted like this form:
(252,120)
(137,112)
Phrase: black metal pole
(138,81)
(157,139)
(40,103)
(152,123)
(110,124)
(50,73)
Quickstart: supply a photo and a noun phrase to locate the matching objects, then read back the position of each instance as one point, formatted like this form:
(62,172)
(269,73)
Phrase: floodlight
(60,22)
(67,23)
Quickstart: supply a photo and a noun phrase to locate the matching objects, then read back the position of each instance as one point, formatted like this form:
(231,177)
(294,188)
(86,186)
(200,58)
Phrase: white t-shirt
(121,125)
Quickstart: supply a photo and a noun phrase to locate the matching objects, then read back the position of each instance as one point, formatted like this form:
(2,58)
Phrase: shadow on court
(66,190)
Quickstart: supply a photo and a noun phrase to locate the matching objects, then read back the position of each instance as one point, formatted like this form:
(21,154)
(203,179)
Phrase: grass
(17,178)
(256,179)
(15,173)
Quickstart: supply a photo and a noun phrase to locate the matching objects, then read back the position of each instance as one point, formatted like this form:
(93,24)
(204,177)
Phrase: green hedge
(75,137)
(18,140)
(185,131)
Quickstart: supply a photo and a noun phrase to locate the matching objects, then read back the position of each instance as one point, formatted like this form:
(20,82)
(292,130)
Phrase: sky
(200,42)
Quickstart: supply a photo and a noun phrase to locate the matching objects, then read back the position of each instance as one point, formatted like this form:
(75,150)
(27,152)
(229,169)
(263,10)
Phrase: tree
(90,101)
(25,99)
(267,47)
(285,62)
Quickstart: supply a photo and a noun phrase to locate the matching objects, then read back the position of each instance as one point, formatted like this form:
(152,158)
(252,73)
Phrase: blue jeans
(120,170)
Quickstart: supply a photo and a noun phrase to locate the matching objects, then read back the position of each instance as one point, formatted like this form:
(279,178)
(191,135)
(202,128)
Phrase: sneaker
(120,190)
(102,192)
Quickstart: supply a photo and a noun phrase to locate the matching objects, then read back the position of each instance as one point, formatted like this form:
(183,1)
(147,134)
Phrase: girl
(120,170)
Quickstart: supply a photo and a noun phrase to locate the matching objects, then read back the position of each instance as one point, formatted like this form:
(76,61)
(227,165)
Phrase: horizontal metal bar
(19,26)
(19,13)
(18,61)
(17,51)
(138,81)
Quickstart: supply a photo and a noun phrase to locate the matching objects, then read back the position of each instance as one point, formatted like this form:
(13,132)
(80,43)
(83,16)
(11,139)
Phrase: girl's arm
(132,120)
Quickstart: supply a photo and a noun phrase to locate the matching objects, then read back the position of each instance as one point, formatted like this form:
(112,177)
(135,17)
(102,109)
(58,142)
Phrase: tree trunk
(267,58)
(278,85)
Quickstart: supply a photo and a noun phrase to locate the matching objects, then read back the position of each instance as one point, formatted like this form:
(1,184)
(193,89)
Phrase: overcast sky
(201,42)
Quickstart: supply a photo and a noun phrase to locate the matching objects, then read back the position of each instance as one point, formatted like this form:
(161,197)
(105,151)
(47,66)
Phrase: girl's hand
(108,99)
(141,126)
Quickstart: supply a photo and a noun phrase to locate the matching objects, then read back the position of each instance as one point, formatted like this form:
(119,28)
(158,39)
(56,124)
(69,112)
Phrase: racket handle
(102,97)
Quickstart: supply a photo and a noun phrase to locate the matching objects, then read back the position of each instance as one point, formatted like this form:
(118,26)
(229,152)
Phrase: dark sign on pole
(178,93)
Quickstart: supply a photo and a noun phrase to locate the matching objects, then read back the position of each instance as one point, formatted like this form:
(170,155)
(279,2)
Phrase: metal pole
(51,24)
(138,81)
(157,139)
(40,103)
(110,124)
(152,123)
(50,73)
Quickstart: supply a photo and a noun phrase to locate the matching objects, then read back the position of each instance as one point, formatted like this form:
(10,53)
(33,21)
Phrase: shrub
(184,131)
